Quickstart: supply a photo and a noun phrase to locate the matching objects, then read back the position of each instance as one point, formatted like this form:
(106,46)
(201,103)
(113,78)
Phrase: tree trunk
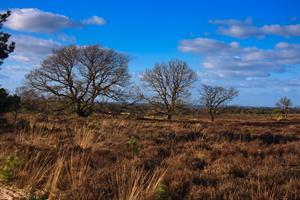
(81,110)
(286,114)
(212,116)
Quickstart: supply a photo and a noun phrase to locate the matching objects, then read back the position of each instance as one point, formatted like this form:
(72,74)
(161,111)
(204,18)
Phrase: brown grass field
(236,157)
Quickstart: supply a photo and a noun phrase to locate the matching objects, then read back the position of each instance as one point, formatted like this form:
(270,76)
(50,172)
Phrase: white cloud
(241,31)
(32,49)
(245,29)
(66,38)
(206,45)
(230,60)
(282,30)
(230,22)
(250,82)
(94,20)
(28,54)
(35,20)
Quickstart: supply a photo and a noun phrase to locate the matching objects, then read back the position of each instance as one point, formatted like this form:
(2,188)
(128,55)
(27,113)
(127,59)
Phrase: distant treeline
(257,110)
(43,105)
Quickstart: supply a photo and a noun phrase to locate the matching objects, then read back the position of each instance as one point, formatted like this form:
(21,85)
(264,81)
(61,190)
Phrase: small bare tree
(214,98)
(284,104)
(79,75)
(169,84)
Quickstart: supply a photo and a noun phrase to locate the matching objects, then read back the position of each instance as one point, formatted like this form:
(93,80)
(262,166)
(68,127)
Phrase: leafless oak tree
(80,75)
(169,84)
(214,98)
(284,104)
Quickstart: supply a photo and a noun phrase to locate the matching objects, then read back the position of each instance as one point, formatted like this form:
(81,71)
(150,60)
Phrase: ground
(101,157)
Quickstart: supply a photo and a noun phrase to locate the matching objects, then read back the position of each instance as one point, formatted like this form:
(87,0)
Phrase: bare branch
(214,98)
(81,75)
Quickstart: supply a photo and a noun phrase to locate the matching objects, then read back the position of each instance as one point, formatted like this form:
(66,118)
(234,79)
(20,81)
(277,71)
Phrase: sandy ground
(7,193)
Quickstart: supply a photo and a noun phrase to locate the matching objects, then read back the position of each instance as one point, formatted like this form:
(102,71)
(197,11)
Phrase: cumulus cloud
(29,53)
(94,20)
(222,59)
(32,49)
(283,30)
(257,82)
(230,22)
(241,31)
(35,20)
(245,29)
(207,46)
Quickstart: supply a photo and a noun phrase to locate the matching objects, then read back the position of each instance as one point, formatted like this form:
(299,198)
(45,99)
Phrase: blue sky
(251,45)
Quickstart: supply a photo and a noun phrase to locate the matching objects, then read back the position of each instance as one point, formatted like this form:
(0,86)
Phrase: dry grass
(237,157)
(135,184)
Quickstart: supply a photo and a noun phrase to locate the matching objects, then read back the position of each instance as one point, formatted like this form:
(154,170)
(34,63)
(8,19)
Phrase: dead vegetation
(236,157)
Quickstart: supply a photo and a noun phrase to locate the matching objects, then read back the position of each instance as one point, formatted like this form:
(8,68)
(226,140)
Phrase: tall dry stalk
(78,173)
(84,137)
(35,172)
(55,177)
(136,184)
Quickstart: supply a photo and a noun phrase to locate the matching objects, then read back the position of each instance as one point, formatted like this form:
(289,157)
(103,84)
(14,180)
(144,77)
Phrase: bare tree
(80,75)
(169,84)
(284,104)
(214,98)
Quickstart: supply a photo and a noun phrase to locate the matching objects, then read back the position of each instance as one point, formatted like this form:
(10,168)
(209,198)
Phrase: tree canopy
(79,75)
(170,83)
(6,47)
(215,97)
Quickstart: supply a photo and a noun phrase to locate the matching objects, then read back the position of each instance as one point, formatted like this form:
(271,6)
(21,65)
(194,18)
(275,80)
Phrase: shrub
(9,103)
(38,196)
(161,192)
(8,168)
(278,114)
(134,145)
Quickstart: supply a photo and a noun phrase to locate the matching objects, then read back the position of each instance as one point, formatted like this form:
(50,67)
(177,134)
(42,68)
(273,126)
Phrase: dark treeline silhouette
(8,102)
(139,110)
(5,47)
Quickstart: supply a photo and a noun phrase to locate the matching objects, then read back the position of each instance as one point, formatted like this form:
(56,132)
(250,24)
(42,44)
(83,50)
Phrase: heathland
(107,157)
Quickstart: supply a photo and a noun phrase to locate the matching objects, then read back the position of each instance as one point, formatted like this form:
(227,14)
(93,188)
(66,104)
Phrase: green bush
(38,196)
(8,168)
(134,145)
(161,192)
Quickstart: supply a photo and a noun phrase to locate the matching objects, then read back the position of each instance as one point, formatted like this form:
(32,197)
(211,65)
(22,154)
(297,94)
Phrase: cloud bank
(32,49)
(231,60)
(35,20)
(29,53)
(246,29)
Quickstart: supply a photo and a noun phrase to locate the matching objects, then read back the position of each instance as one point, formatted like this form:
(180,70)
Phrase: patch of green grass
(134,145)
(161,192)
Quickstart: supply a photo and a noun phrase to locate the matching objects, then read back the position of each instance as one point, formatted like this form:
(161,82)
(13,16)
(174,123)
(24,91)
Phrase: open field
(236,157)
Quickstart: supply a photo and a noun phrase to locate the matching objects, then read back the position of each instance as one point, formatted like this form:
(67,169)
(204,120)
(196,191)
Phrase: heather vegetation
(80,128)
(107,157)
